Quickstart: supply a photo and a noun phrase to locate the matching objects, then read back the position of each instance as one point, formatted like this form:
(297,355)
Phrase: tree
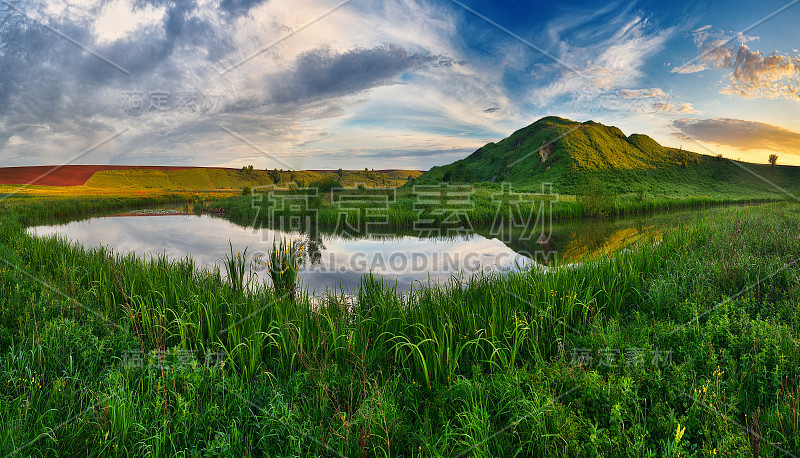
(340,172)
(275,175)
(773,159)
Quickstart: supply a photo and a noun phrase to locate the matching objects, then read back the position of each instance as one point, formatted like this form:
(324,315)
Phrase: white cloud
(15,140)
(608,64)
(679,108)
(753,75)
(772,76)
(689,68)
(119,19)
(654,92)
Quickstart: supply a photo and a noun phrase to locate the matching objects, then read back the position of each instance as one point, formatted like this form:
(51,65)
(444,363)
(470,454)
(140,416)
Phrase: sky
(326,84)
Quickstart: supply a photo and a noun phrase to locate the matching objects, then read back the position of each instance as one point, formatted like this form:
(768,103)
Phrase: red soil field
(66,175)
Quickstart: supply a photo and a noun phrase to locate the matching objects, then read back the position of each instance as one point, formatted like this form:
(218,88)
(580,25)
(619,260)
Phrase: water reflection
(329,260)
(401,256)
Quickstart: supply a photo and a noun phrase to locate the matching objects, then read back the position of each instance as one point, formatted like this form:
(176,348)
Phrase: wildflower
(679,433)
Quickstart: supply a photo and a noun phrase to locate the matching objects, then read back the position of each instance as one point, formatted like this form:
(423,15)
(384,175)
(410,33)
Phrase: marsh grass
(284,264)
(435,371)
(235,268)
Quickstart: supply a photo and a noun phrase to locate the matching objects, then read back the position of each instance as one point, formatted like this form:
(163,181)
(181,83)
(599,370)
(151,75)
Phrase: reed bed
(403,210)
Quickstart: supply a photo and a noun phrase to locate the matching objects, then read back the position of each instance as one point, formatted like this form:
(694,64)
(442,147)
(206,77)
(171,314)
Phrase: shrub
(326,184)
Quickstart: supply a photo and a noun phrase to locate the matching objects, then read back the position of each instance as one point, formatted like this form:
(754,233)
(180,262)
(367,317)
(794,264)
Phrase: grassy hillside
(570,154)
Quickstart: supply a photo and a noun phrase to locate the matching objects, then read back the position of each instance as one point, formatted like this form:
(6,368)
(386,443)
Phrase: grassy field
(143,182)
(687,347)
(197,179)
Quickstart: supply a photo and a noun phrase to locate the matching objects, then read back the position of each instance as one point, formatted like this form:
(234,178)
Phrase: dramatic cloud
(753,75)
(383,83)
(323,73)
(740,134)
(239,6)
(60,95)
(772,76)
(609,62)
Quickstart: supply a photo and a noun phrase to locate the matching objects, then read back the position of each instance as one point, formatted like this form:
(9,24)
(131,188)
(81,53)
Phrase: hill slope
(570,154)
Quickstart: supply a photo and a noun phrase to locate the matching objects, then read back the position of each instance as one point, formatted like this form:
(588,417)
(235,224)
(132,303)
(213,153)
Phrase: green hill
(570,154)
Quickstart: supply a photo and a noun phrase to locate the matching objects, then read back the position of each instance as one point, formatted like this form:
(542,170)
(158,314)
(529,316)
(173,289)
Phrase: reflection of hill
(581,248)
(577,241)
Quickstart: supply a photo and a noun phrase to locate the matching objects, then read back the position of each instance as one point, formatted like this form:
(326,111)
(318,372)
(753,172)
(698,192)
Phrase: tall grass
(235,267)
(424,332)
(284,263)
(426,372)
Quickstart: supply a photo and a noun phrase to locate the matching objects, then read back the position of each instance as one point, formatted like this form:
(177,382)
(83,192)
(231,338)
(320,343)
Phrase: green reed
(235,267)
(284,264)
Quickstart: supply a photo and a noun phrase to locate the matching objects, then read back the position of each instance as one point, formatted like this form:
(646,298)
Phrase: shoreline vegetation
(686,347)
(403,208)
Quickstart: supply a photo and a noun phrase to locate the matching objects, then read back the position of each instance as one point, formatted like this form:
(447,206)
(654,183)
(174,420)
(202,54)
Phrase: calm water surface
(329,261)
(332,261)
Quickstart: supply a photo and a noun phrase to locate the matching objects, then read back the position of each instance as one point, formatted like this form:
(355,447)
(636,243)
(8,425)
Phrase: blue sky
(312,84)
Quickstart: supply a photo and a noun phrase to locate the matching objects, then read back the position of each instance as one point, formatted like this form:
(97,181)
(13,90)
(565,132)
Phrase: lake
(403,257)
